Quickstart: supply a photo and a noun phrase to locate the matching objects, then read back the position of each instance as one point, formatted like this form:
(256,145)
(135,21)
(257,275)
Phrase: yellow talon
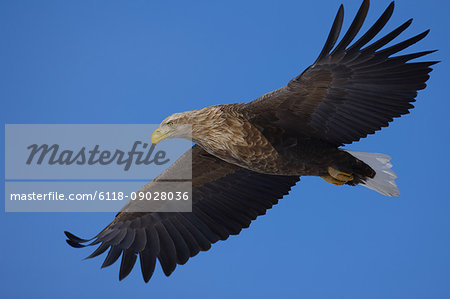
(339,175)
(333,181)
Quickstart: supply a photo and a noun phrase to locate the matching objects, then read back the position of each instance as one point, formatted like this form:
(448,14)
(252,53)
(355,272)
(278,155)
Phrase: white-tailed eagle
(248,155)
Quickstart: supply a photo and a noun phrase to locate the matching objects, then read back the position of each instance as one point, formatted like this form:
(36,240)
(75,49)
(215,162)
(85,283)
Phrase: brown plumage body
(267,149)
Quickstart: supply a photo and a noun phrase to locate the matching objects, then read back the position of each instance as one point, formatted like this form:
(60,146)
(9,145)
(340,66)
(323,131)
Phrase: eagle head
(177,125)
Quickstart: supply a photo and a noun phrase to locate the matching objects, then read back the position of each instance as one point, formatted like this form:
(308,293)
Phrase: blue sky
(139,61)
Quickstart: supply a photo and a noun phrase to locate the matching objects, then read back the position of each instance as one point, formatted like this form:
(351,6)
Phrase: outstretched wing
(226,198)
(350,91)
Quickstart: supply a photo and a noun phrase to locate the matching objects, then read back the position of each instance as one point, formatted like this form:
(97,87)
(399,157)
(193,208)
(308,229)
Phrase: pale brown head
(192,125)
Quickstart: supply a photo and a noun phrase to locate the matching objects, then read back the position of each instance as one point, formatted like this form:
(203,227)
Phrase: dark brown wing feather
(351,91)
(226,198)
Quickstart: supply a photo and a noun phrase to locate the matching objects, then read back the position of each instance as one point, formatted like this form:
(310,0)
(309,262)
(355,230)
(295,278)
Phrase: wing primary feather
(112,256)
(140,240)
(333,35)
(408,57)
(108,234)
(396,63)
(128,260)
(147,260)
(387,38)
(148,256)
(167,254)
(76,239)
(118,237)
(403,45)
(75,244)
(374,30)
(354,28)
(153,239)
(102,248)
(128,239)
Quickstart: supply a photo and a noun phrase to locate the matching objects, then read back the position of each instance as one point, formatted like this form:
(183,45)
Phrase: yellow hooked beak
(158,135)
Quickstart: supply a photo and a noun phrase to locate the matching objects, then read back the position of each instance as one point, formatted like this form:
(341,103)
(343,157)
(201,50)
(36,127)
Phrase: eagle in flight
(248,155)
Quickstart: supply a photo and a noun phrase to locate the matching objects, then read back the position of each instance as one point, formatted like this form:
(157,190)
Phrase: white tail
(384,180)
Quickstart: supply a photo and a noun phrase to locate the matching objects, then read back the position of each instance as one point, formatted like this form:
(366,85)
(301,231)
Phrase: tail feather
(384,180)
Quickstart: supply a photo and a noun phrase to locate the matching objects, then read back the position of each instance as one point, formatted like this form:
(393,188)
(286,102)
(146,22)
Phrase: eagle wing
(350,91)
(226,198)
